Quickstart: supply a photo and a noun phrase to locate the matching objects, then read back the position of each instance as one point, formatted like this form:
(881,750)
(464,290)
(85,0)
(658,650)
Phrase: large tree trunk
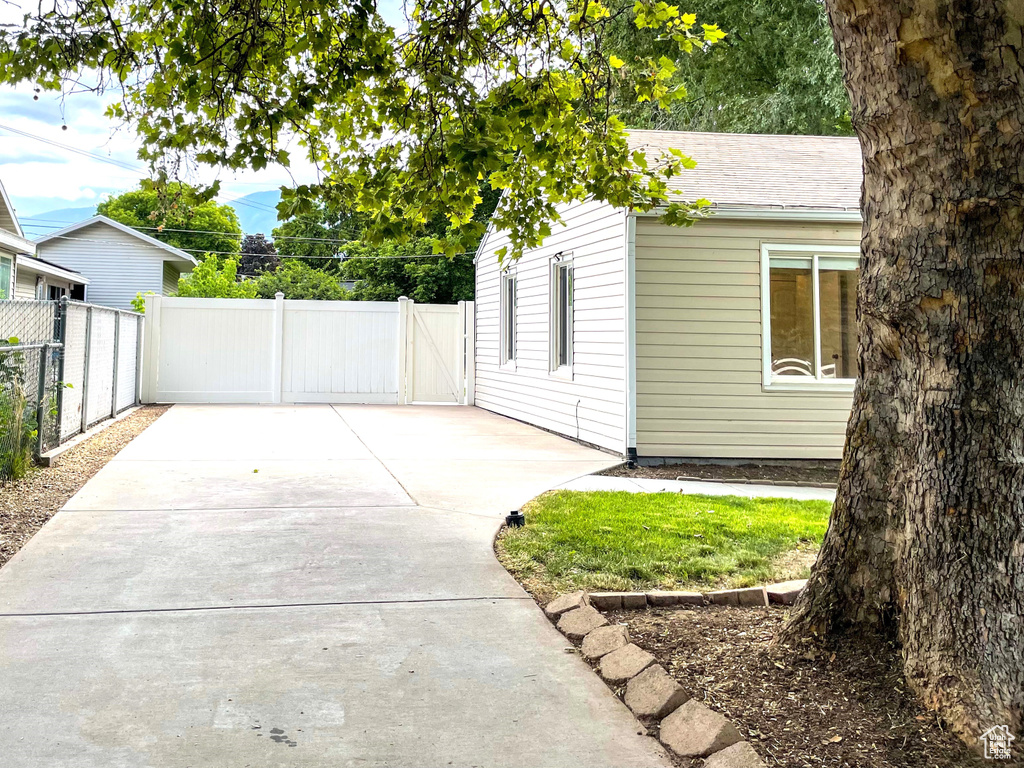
(926,542)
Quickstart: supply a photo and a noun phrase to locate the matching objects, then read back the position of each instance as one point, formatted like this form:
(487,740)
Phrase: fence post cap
(279,295)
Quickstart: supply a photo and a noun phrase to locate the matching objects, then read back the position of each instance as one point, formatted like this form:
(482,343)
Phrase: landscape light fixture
(515,519)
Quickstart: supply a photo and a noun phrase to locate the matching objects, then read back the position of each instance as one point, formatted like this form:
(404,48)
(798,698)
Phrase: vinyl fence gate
(290,351)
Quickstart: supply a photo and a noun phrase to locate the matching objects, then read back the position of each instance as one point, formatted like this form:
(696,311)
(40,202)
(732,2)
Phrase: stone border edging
(783,593)
(685,726)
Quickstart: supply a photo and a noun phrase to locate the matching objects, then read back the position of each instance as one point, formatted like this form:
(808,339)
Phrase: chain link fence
(63,368)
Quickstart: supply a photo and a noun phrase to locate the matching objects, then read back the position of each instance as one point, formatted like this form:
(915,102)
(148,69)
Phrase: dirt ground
(819,473)
(28,503)
(844,708)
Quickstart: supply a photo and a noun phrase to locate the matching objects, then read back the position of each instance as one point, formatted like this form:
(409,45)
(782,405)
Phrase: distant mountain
(256,211)
(50,221)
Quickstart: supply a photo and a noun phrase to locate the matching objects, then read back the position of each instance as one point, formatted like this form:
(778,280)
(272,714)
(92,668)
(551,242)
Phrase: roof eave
(13,242)
(41,267)
(776,213)
(10,210)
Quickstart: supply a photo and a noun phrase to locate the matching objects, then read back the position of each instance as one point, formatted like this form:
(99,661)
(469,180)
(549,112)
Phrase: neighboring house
(731,339)
(119,262)
(38,279)
(22,276)
(12,244)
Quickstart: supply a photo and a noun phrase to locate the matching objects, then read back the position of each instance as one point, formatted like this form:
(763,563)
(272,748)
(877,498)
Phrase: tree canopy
(258,255)
(163,209)
(776,72)
(386,272)
(317,236)
(297,280)
(215,278)
(404,125)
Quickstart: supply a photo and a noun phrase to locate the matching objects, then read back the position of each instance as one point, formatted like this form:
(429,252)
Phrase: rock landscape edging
(685,726)
(783,593)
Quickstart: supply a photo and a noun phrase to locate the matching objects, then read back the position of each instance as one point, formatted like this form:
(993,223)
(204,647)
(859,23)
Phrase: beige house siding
(699,386)
(591,406)
(25,285)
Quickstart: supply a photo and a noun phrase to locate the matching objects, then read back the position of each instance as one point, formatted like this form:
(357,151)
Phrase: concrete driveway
(300,586)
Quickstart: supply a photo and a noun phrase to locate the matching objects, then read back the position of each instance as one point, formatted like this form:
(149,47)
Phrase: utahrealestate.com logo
(997,741)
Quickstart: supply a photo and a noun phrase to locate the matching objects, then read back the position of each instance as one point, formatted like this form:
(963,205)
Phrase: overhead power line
(51,224)
(461,254)
(122,164)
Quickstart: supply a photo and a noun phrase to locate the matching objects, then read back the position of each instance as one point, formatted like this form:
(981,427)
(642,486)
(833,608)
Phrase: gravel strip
(814,473)
(27,504)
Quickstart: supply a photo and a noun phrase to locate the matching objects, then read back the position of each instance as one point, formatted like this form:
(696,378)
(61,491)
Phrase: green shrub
(18,427)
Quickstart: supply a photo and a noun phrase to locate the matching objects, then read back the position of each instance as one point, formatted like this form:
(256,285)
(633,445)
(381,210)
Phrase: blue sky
(40,177)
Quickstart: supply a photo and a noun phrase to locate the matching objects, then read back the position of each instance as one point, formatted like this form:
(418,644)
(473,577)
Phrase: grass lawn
(636,541)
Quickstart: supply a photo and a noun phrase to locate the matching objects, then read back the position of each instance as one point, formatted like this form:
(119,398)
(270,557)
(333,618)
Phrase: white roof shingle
(761,171)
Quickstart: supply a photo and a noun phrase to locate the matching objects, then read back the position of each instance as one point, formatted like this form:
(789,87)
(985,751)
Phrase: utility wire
(119,163)
(340,257)
(57,225)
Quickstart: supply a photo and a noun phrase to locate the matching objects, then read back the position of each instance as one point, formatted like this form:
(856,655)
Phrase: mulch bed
(816,473)
(841,708)
(28,503)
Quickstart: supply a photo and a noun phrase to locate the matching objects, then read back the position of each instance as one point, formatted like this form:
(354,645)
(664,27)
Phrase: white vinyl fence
(101,363)
(285,351)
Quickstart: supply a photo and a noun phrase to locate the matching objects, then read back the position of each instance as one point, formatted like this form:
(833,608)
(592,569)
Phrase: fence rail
(64,366)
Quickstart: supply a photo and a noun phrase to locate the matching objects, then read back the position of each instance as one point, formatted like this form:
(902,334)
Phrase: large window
(809,311)
(5,277)
(509,285)
(561,314)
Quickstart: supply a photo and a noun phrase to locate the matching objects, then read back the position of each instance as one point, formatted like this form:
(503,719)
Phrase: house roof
(762,171)
(8,219)
(40,266)
(177,253)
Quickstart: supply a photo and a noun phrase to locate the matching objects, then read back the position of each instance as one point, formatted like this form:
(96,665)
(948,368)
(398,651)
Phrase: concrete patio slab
(108,560)
(184,610)
(188,484)
(427,684)
(245,432)
(487,487)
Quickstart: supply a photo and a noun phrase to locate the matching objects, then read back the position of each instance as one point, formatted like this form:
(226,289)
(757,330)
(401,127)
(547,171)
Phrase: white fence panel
(272,351)
(127,351)
(100,386)
(74,370)
(340,352)
(214,350)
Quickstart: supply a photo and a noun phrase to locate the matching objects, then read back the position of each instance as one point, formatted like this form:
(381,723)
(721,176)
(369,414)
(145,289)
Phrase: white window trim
(9,288)
(509,274)
(554,369)
(770,382)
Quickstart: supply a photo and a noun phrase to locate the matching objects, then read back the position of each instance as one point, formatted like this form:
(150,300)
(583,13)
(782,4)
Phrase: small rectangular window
(561,315)
(811,314)
(5,277)
(509,285)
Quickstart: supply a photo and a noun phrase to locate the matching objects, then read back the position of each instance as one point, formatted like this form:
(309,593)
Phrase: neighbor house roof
(8,219)
(39,266)
(177,253)
(762,171)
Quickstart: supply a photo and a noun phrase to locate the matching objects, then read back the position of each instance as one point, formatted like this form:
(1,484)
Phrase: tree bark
(926,541)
